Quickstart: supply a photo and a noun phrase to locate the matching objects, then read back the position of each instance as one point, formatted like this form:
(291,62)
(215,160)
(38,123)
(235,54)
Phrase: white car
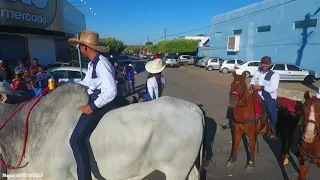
(229,65)
(185,59)
(213,63)
(291,72)
(249,68)
(67,74)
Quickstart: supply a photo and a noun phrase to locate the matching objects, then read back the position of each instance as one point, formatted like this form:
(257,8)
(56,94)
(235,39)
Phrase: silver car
(202,62)
(170,61)
(185,59)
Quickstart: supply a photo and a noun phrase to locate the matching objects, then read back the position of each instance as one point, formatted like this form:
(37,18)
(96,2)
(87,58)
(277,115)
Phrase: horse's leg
(288,140)
(238,133)
(304,168)
(252,134)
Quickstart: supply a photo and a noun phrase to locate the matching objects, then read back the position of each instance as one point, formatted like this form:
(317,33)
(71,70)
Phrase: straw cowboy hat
(90,39)
(155,66)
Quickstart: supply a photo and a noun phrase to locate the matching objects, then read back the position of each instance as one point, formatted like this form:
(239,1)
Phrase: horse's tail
(204,158)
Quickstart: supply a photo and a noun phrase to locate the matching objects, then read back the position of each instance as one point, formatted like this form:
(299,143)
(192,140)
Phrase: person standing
(266,83)
(102,88)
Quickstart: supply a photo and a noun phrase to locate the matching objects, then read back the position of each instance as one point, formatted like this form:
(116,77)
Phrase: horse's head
(311,118)
(237,90)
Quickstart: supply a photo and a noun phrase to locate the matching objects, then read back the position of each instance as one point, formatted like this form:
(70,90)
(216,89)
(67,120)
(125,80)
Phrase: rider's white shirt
(318,93)
(270,87)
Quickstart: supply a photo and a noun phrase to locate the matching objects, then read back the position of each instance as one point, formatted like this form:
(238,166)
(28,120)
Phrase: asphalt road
(213,96)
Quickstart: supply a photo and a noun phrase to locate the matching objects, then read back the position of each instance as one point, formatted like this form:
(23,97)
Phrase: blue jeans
(80,143)
(272,110)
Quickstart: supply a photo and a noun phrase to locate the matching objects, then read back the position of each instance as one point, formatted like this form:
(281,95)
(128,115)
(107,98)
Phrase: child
(18,83)
(130,76)
(42,78)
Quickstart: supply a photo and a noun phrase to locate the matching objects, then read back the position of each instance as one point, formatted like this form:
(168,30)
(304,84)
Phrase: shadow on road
(209,136)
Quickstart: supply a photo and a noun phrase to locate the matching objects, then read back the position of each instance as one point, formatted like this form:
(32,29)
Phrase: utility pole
(148,39)
(165,34)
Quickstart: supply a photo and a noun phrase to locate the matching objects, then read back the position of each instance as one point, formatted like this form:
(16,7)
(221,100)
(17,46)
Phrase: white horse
(129,143)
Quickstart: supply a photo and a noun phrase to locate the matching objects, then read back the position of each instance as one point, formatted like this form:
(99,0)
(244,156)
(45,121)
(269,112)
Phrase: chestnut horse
(309,146)
(247,121)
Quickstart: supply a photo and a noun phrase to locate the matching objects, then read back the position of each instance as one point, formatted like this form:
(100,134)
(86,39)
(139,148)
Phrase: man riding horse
(266,83)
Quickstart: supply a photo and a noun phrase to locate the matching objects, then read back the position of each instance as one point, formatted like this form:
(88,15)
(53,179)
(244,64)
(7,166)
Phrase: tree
(178,46)
(153,49)
(116,46)
(149,43)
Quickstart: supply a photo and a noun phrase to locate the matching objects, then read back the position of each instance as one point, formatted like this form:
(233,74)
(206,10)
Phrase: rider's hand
(86,110)
(256,87)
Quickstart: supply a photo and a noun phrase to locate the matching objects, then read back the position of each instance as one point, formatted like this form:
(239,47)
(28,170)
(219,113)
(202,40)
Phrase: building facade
(38,29)
(286,30)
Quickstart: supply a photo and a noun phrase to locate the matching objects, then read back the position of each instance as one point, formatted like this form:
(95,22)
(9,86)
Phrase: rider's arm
(254,78)
(274,84)
(108,85)
(85,80)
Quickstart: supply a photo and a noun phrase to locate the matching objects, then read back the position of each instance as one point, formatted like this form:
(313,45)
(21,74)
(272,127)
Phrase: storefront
(38,29)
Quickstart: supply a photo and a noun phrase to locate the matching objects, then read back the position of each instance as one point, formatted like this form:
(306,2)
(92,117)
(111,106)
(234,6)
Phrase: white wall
(43,49)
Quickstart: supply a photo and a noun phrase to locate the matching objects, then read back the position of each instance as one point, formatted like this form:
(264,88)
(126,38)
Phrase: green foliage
(149,43)
(178,46)
(116,46)
(153,49)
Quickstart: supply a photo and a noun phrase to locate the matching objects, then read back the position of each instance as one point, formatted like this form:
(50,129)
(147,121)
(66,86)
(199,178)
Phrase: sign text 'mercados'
(11,14)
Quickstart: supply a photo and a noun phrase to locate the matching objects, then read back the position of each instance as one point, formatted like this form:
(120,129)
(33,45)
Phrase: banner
(40,14)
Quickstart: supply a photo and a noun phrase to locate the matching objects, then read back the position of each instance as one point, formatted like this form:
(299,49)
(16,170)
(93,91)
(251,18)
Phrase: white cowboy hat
(155,66)
(130,65)
(90,39)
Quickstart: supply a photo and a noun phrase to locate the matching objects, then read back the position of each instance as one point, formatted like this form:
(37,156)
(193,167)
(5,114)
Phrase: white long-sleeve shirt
(152,87)
(318,93)
(100,80)
(270,87)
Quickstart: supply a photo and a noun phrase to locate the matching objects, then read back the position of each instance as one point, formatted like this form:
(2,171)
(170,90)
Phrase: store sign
(28,13)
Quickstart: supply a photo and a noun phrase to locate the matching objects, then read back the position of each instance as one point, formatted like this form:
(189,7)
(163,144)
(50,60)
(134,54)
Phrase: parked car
(170,61)
(213,63)
(291,72)
(56,64)
(196,60)
(249,68)
(67,74)
(203,61)
(185,59)
(229,65)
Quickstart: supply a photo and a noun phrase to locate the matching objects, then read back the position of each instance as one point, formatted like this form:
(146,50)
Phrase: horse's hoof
(229,164)
(249,168)
(285,161)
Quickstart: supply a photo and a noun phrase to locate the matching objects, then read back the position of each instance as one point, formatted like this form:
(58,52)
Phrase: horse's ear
(234,74)
(307,95)
(3,98)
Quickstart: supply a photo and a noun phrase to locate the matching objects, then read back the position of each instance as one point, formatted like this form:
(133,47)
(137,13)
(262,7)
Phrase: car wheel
(225,70)
(308,80)
(210,68)
(247,74)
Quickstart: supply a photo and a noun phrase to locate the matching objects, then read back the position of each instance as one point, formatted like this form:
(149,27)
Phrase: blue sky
(133,21)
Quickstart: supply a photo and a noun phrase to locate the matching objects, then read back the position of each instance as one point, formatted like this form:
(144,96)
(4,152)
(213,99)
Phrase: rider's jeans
(272,110)
(79,140)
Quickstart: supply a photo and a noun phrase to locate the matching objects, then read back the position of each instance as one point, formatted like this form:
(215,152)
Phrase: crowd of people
(28,79)
(125,79)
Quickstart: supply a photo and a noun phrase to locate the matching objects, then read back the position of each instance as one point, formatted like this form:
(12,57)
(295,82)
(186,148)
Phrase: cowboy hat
(90,39)
(155,66)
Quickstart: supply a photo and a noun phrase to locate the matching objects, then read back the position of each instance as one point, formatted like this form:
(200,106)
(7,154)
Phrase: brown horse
(309,146)
(251,119)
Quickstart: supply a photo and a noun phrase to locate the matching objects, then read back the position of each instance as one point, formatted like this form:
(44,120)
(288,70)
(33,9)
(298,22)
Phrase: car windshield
(170,57)
(242,63)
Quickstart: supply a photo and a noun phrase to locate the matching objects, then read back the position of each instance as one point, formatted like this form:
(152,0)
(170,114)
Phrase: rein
(44,92)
